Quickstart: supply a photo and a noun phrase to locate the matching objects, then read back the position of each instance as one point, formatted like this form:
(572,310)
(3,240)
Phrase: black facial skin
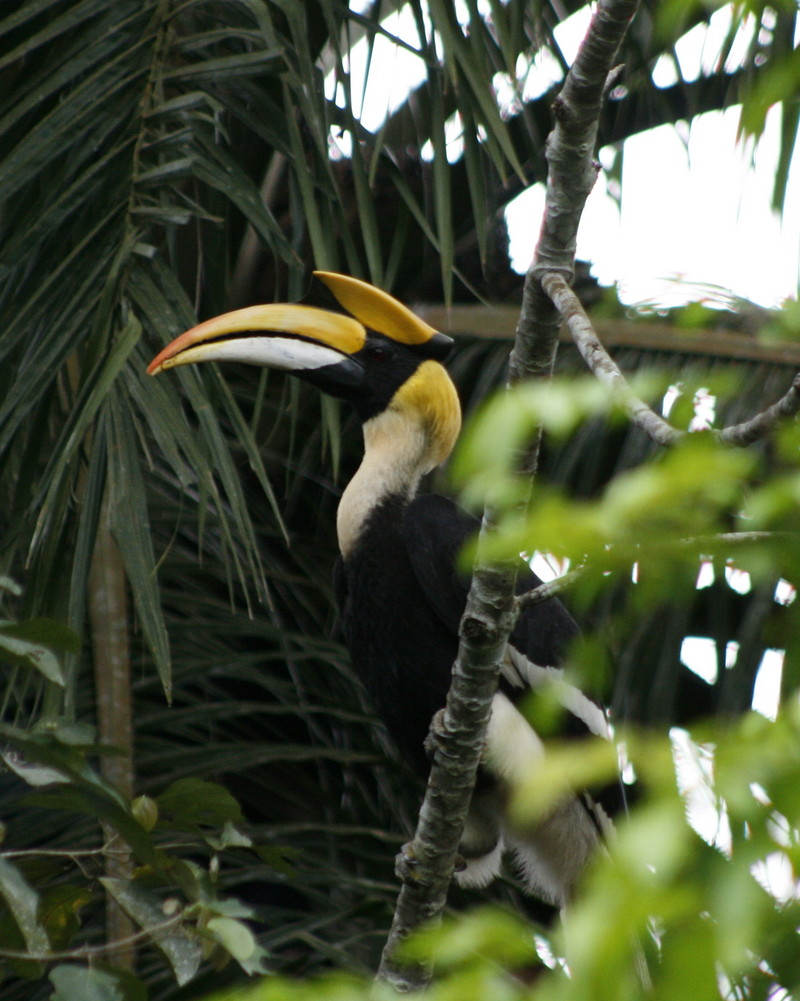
(370,378)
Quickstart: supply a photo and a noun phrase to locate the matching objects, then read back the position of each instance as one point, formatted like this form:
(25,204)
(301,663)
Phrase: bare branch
(607,371)
(762,424)
(426,865)
(552,588)
(549,588)
(94,951)
(601,363)
(572,171)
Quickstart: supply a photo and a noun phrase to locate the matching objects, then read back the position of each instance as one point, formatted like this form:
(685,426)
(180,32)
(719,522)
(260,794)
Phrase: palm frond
(164,161)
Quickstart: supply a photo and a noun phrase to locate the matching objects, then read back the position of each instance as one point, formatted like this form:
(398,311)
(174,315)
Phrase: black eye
(378,352)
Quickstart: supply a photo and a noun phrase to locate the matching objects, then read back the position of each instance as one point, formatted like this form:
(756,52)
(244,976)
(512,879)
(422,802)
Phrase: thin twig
(602,364)
(731,539)
(762,424)
(66,853)
(90,951)
(549,588)
(552,588)
(606,370)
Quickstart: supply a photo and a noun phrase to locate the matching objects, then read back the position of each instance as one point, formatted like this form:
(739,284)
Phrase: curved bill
(292,337)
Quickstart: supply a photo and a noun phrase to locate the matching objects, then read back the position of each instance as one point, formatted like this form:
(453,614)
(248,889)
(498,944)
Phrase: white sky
(695,204)
(691,212)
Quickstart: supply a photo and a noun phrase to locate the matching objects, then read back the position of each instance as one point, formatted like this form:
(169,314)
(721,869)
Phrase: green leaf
(780,81)
(34,642)
(790,130)
(59,908)
(488,934)
(19,650)
(50,633)
(219,170)
(93,983)
(145,810)
(80,787)
(130,525)
(23,903)
(693,490)
(10,586)
(234,936)
(82,736)
(690,947)
(231,837)
(565,767)
(508,419)
(226,66)
(485,103)
(247,441)
(441,182)
(34,775)
(191,802)
(95,392)
(182,949)
(256,963)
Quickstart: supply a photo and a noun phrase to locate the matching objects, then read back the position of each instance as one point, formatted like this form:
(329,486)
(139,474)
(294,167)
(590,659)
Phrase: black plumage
(401,597)
(400,592)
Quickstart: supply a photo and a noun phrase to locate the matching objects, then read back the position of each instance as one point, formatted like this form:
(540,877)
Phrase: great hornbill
(400,595)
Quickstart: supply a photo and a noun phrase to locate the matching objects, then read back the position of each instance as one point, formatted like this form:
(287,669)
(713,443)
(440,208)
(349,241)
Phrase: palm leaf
(143,142)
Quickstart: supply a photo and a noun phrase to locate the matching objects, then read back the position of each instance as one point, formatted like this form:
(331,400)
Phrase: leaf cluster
(182,842)
(695,910)
(695,489)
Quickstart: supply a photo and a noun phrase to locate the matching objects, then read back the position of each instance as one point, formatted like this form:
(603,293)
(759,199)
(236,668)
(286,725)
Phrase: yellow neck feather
(415,433)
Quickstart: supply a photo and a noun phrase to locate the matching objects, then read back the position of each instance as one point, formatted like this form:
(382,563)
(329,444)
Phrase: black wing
(435,530)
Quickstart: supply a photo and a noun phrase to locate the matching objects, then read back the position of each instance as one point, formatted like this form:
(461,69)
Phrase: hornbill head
(367,348)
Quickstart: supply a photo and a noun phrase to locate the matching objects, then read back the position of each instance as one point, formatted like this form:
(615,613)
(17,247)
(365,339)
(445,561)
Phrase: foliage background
(164,161)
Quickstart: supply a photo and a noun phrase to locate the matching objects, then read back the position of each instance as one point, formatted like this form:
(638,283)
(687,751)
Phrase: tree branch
(606,370)
(762,424)
(549,589)
(601,363)
(426,865)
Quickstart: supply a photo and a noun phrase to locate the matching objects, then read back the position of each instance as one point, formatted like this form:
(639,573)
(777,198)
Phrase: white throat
(396,456)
